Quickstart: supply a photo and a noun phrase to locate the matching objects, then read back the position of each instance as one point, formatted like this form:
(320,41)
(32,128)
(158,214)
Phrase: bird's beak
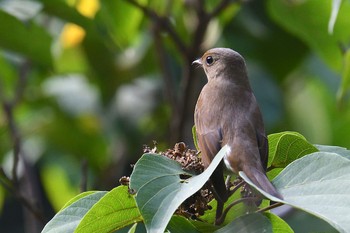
(197,62)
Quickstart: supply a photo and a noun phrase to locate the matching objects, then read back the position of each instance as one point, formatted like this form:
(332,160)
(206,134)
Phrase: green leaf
(114,211)
(160,190)
(278,224)
(61,9)
(311,109)
(285,147)
(204,227)
(37,44)
(116,16)
(298,17)
(250,223)
(133,228)
(77,197)
(334,149)
(319,184)
(194,136)
(69,218)
(181,224)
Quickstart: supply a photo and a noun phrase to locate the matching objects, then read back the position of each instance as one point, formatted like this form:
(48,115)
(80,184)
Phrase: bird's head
(222,63)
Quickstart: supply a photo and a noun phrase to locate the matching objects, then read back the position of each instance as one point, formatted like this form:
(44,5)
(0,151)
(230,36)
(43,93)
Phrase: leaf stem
(236,187)
(275,205)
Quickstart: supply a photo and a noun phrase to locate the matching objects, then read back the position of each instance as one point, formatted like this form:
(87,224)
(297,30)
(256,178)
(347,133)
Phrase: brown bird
(227,113)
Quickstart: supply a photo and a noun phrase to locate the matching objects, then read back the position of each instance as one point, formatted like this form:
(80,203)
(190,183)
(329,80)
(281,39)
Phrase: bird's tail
(260,179)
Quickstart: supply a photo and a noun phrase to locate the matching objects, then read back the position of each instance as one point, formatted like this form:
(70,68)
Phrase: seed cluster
(197,204)
(188,158)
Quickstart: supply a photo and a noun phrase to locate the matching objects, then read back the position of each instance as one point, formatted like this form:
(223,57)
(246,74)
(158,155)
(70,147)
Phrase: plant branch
(5,181)
(8,106)
(220,7)
(84,176)
(8,111)
(162,59)
(275,205)
(236,187)
(21,84)
(164,23)
(227,209)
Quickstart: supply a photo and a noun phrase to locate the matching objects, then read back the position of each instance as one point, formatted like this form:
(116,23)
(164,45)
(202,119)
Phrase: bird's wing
(256,121)
(209,133)
(209,141)
(263,148)
(210,144)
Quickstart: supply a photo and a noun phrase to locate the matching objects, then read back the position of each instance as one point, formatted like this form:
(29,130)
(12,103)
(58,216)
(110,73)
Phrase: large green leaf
(255,222)
(309,21)
(61,9)
(135,228)
(204,227)
(250,223)
(334,149)
(181,225)
(77,197)
(278,225)
(69,218)
(122,20)
(160,189)
(28,39)
(319,184)
(114,211)
(285,147)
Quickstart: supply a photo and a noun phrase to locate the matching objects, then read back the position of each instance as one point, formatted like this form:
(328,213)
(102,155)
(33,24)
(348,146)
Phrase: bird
(227,113)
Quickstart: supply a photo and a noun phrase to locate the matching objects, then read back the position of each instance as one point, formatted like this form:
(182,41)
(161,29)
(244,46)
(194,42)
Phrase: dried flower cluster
(197,204)
(188,158)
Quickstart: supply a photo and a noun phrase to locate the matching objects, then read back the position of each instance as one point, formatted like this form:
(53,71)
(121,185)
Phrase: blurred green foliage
(93,80)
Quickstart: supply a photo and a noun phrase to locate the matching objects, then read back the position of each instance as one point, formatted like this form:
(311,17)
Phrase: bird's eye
(209,60)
